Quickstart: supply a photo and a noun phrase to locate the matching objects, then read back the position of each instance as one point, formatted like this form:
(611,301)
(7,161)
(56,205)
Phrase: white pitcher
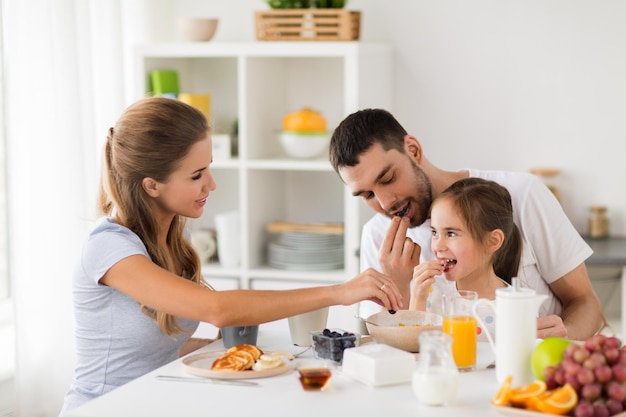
(516,330)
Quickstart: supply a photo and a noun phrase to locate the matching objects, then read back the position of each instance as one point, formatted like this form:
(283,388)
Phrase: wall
(502,84)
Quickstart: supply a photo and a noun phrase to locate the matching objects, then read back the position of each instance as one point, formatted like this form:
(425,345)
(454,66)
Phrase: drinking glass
(460,324)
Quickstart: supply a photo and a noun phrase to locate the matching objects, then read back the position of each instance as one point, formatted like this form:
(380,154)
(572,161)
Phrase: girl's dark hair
(486,206)
(149,140)
(359,131)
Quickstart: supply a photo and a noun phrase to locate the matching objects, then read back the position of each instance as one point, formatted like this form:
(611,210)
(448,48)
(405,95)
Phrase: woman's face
(452,243)
(187,188)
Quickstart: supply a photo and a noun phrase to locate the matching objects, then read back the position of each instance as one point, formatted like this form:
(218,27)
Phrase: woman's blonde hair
(149,140)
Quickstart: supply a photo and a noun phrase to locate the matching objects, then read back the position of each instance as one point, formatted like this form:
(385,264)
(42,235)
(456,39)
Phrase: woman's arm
(141,279)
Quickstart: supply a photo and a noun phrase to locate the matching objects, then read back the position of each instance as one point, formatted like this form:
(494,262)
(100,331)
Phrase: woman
(138,290)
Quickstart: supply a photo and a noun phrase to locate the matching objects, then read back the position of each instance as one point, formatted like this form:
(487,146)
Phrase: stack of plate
(305,251)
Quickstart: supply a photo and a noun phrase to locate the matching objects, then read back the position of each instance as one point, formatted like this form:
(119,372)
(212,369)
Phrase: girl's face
(463,257)
(187,188)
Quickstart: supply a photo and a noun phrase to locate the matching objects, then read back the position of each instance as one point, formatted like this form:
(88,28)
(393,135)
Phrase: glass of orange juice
(459,323)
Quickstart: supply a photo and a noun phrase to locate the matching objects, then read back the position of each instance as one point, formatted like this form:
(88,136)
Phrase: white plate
(200,365)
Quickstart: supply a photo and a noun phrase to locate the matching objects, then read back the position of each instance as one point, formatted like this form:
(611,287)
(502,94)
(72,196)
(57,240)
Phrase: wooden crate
(308,25)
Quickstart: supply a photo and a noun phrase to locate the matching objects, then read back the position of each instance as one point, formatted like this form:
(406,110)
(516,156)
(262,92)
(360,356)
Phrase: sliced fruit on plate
(531,404)
(504,392)
(561,401)
(520,396)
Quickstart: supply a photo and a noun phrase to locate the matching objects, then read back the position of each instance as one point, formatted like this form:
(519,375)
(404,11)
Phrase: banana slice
(267,362)
(285,355)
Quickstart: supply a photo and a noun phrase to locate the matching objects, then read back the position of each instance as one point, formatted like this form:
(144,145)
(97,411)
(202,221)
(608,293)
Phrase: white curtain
(67,68)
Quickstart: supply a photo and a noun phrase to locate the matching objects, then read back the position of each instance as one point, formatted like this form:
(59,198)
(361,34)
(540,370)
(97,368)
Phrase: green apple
(548,352)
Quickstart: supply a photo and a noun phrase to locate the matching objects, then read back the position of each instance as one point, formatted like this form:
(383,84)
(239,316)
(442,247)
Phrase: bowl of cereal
(402,329)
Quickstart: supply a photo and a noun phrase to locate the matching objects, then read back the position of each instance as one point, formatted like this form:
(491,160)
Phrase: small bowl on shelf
(197,29)
(304,145)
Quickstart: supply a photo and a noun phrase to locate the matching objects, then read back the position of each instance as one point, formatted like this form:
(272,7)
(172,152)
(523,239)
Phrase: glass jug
(435,378)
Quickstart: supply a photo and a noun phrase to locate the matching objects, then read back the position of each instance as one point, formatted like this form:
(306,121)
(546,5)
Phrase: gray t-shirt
(115,341)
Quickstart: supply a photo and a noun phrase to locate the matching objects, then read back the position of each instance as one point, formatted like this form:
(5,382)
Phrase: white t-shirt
(552,246)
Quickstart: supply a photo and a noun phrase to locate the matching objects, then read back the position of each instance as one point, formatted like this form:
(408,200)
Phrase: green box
(164,82)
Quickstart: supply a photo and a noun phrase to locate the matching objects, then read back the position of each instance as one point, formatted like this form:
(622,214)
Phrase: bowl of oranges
(304,134)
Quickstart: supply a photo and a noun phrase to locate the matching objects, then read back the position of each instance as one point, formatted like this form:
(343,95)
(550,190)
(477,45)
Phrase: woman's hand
(423,278)
(374,286)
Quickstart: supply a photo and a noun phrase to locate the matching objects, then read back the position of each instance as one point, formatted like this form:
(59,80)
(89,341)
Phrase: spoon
(365,320)
(295,355)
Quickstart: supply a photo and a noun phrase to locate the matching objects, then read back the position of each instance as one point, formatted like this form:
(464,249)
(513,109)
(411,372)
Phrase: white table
(282,395)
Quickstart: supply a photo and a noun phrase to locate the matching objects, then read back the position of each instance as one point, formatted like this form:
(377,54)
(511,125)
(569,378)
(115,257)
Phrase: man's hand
(550,326)
(398,255)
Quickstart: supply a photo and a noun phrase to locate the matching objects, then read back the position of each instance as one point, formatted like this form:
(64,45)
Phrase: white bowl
(402,330)
(304,145)
(197,29)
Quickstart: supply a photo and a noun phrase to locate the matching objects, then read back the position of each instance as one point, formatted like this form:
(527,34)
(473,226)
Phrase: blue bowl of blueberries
(330,343)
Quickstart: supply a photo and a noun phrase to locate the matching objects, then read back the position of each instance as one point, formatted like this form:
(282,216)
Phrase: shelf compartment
(294,196)
(289,84)
(221,85)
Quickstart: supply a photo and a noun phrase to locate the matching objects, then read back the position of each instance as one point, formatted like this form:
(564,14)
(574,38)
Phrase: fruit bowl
(401,330)
(304,145)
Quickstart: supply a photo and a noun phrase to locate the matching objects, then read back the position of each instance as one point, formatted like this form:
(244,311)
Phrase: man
(381,163)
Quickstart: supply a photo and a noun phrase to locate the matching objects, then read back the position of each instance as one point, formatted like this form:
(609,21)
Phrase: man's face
(391,183)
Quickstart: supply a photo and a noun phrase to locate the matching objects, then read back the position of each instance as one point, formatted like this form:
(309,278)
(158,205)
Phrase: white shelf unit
(257,83)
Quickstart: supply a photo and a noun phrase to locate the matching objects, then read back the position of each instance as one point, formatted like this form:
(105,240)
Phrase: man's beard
(423,197)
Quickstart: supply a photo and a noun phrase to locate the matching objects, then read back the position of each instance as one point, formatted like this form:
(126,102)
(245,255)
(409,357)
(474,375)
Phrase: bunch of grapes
(596,369)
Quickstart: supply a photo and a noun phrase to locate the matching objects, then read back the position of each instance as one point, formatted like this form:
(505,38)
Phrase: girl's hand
(423,278)
(374,286)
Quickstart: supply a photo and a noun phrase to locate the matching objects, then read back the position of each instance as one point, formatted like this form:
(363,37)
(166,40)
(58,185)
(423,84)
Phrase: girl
(476,244)
(138,290)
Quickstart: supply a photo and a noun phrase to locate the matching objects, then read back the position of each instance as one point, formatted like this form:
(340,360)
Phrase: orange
(306,120)
(521,396)
(504,392)
(531,403)
(561,401)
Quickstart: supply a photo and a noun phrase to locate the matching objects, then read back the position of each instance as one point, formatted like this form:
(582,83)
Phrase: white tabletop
(283,395)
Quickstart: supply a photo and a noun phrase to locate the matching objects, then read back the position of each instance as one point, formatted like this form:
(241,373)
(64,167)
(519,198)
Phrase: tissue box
(378,364)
